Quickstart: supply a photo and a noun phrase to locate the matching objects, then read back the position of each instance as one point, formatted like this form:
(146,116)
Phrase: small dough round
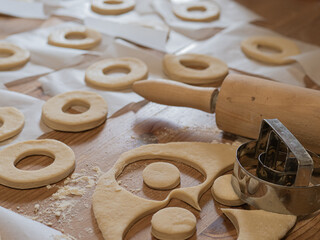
(286,48)
(53,114)
(95,76)
(78,37)
(161,175)
(222,191)
(12,121)
(202,11)
(16,56)
(173,223)
(210,69)
(112,7)
(62,166)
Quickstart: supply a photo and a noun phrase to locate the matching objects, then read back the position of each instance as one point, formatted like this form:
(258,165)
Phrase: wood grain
(143,123)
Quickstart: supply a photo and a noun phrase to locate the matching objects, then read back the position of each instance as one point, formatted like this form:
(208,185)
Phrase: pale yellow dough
(212,70)
(62,166)
(95,76)
(117,209)
(173,223)
(222,191)
(200,11)
(112,7)
(259,224)
(12,121)
(80,37)
(286,48)
(17,56)
(161,175)
(53,114)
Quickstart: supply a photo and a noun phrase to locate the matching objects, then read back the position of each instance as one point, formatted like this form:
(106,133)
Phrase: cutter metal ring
(276,173)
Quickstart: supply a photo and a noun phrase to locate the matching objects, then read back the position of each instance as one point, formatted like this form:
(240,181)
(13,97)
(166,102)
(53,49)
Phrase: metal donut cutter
(276,173)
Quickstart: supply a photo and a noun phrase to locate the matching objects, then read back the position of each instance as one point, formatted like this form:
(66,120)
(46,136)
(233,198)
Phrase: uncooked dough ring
(173,223)
(95,76)
(214,69)
(60,37)
(12,122)
(18,57)
(197,11)
(286,48)
(112,7)
(63,165)
(53,114)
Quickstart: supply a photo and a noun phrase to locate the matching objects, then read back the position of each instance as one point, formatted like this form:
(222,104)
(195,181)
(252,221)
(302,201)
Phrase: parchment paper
(23,9)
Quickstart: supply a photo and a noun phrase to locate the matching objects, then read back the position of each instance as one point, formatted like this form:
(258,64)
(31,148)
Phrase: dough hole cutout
(194,64)
(1,122)
(173,223)
(116,71)
(268,49)
(76,107)
(161,175)
(196,9)
(113,2)
(54,113)
(35,162)
(5,53)
(75,35)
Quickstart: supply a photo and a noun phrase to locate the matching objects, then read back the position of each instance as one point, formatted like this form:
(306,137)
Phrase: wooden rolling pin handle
(174,93)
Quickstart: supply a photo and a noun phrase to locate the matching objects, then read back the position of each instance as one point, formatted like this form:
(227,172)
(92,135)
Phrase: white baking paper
(71,79)
(226,46)
(14,226)
(230,13)
(31,109)
(21,9)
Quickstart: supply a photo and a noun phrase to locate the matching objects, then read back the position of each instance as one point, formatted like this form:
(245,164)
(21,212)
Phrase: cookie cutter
(276,173)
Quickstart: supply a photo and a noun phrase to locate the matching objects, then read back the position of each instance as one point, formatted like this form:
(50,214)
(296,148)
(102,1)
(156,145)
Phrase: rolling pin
(243,102)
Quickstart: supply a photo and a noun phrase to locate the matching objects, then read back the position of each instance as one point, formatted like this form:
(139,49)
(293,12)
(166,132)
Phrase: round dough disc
(161,175)
(222,191)
(12,122)
(17,56)
(173,223)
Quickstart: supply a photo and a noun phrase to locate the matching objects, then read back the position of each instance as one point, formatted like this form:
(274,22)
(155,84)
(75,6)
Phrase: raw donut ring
(161,175)
(16,56)
(286,48)
(89,38)
(211,70)
(112,7)
(173,223)
(197,11)
(12,122)
(53,114)
(95,73)
(63,165)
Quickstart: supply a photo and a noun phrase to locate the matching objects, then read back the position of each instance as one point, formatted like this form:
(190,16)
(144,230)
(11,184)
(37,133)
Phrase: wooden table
(143,123)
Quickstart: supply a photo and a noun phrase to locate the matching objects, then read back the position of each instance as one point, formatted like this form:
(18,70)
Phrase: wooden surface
(144,123)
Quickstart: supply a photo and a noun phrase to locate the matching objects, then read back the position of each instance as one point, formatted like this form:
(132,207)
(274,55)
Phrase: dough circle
(286,48)
(112,7)
(202,11)
(17,56)
(161,175)
(62,166)
(85,38)
(53,114)
(212,70)
(222,191)
(12,121)
(95,76)
(173,223)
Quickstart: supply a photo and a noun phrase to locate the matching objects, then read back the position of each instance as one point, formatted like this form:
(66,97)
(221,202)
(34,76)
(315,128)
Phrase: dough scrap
(112,7)
(88,38)
(95,76)
(17,56)
(222,191)
(125,208)
(259,224)
(286,48)
(12,122)
(62,166)
(53,114)
(212,69)
(200,11)
(161,175)
(173,223)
